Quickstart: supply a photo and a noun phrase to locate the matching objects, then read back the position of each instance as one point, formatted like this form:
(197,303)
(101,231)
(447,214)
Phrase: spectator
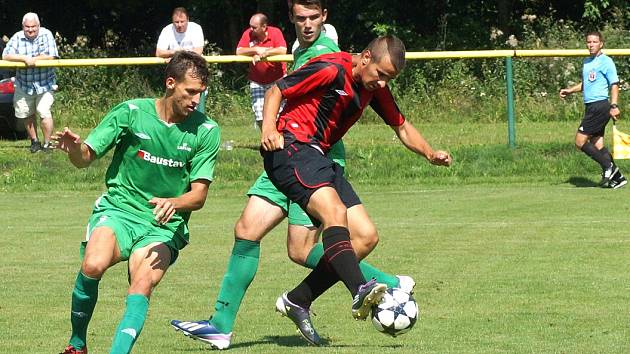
(179,35)
(34,86)
(259,42)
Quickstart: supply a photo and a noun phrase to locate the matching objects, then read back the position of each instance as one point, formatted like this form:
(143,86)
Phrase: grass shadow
(582,182)
(297,341)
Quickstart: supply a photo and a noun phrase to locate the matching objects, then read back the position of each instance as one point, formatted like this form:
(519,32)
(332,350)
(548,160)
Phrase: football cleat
(406,283)
(369,294)
(203,331)
(300,317)
(72,350)
(608,174)
(617,181)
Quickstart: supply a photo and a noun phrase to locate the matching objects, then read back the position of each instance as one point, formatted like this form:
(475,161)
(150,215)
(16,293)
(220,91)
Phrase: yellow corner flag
(621,144)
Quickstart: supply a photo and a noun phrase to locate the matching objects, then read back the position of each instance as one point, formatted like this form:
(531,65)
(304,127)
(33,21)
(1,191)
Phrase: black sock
(320,279)
(341,257)
(339,262)
(603,159)
(607,155)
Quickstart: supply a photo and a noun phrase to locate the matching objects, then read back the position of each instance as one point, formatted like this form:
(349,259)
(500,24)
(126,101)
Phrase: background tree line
(132,27)
(446,90)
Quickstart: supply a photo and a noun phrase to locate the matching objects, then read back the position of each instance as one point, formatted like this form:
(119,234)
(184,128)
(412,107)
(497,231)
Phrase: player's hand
(615,113)
(272,141)
(440,158)
(564,93)
(164,209)
(256,58)
(65,140)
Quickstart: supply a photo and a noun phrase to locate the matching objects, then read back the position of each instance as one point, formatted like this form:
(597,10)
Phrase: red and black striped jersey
(323,101)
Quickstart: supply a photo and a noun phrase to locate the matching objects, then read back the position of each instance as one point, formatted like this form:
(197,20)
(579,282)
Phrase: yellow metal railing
(508,54)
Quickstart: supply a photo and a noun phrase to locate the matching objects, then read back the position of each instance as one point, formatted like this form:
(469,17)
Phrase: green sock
(240,272)
(84,298)
(131,324)
(368,270)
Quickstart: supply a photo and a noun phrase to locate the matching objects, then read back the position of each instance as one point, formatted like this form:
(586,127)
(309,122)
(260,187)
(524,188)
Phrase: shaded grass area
(506,268)
(544,153)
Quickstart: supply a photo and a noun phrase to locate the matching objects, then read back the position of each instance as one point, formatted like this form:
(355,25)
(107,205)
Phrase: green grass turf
(513,268)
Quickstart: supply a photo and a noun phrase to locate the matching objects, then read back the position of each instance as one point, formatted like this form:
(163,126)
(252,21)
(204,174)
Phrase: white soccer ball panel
(401,322)
(387,302)
(411,309)
(400,296)
(377,324)
(386,318)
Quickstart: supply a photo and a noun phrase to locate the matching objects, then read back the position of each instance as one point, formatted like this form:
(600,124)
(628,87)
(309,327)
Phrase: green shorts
(132,232)
(297,216)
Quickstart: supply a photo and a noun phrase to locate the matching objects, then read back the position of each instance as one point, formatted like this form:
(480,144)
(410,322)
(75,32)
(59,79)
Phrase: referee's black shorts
(299,170)
(596,116)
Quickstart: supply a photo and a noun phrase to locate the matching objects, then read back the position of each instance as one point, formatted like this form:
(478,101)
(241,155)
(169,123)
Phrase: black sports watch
(614,105)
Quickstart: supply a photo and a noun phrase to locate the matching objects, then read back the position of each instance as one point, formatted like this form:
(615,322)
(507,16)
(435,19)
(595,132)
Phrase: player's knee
(366,237)
(243,230)
(142,286)
(371,240)
(93,268)
(297,256)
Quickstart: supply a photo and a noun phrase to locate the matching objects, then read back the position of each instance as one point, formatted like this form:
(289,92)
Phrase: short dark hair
(180,10)
(390,46)
(321,4)
(185,60)
(595,33)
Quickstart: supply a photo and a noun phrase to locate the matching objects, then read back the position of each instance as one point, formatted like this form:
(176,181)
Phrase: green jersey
(323,45)
(153,158)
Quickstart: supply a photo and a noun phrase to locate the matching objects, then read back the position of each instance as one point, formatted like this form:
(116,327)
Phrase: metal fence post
(201,107)
(510,103)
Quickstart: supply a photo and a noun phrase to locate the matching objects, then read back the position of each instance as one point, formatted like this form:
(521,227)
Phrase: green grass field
(512,251)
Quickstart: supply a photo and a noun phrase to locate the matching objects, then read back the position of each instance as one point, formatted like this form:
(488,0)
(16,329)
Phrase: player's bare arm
(569,90)
(271,139)
(80,154)
(165,208)
(614,97)
(413,140)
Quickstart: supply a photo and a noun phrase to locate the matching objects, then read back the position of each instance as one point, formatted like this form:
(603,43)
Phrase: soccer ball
(396,313)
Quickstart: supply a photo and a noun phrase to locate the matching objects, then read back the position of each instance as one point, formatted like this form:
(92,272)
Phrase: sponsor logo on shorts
(102,219)
(146,156)
(341,92)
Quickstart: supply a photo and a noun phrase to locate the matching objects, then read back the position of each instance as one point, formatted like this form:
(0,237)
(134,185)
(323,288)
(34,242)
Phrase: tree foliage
(132,27)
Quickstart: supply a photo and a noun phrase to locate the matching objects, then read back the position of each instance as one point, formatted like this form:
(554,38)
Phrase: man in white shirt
(180,35)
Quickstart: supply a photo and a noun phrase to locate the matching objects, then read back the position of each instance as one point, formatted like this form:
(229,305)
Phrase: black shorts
(299,170)
(596,116)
